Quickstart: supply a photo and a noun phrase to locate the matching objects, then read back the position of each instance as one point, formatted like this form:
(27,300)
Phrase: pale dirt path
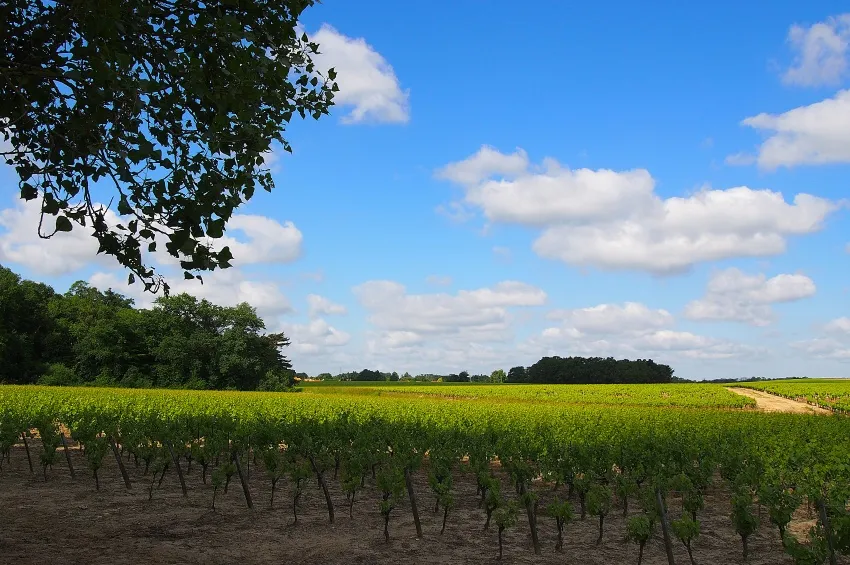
(767,402)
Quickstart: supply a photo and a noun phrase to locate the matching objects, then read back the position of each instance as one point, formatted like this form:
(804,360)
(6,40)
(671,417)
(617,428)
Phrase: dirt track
(767,402)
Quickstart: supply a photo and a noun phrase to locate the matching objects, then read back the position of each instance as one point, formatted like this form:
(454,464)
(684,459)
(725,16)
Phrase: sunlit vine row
(631,455)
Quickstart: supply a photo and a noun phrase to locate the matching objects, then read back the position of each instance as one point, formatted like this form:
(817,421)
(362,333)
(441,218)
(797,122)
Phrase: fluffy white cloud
(735,296)
(633,331)
(612,318)
(833,343)
(669,340)
(615,220)
(486,163)
(663,345)
(314,338)
(553,195)
(227,287)
(816,134)
(320,305)
(268,241)
(443,321)
(64,253)
(820,52)
(366,80)
(264,241)
(824,348)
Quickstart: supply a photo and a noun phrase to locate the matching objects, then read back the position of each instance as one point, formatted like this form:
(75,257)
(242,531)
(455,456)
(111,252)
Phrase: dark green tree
(164,107)
(26,328)
(517,375)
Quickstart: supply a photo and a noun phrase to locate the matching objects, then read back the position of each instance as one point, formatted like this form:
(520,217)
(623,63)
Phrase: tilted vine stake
(665,525)
(176,462)
(67,454)
(27,449)
(237,462)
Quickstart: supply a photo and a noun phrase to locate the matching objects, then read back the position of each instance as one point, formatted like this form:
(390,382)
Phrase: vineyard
(537,481)
(678,395)
(828,393)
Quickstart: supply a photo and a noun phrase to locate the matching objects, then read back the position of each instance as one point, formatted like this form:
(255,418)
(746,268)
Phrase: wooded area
(86,336)
(590,370)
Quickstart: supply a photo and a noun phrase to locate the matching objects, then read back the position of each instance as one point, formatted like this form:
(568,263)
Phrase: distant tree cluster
(583,370)
(497,376)
(86,336)
(549,370)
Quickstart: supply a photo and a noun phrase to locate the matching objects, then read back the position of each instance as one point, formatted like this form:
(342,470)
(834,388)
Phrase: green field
(674,395)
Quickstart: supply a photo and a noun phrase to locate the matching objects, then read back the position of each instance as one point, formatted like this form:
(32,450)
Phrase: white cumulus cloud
(225,287)
(816,134)
(820,52)
(65,252)
(315,337)
(367,82)
(633,331)
(409,324)
(735,296)
(320,305)
(263,240)
(614,219)
(613,318)
(268,241)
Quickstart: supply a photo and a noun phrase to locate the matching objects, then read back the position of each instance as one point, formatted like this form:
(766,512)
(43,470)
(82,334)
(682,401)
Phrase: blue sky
(498,184)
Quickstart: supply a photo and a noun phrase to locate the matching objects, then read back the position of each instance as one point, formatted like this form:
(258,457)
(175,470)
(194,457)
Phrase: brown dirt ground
(66,521)
(771,403)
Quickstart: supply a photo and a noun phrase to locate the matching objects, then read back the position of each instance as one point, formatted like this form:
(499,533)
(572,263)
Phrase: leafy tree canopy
(170,104)
(86,336)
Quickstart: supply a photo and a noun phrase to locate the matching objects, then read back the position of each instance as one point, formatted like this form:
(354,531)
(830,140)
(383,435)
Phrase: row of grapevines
(827,393)
(679,395)
(642,454)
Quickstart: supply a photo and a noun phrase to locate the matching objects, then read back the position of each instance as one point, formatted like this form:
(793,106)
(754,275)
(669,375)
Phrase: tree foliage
(88,336)
(168,106)
(591,370)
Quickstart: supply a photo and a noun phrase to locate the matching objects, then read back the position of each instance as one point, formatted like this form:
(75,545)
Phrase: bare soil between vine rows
(66,521)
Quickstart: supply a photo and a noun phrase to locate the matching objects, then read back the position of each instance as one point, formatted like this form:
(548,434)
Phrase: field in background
(672,395)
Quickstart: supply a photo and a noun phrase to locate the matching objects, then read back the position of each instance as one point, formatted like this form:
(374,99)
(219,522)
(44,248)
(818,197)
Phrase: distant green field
(828,393)
(382,384)
(679,395)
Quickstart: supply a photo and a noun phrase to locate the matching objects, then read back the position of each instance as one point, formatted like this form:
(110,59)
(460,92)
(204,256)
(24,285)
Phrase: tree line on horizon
(549,370)
(91,337)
